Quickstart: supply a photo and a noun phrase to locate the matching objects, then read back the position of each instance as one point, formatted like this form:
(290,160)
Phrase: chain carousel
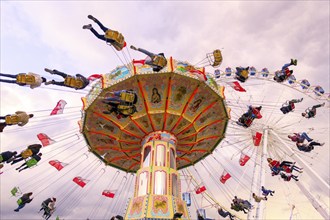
(180,119)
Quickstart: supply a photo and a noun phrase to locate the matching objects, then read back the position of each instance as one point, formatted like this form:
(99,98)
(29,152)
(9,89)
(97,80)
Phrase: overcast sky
(39,34)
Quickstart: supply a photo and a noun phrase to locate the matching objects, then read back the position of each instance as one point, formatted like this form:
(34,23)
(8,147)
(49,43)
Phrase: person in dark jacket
(49,207)
(111,37)
(308,147)
(7,156)
(224,214)
(311,112)
(26,198)
(289,105)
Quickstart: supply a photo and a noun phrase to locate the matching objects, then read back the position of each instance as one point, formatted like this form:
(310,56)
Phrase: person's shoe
(301,99)
(16,210)
(133,48)
(17,168)
(91,17)
(300,171)
(323,104)
(87,26)
(293,62)
(322,144)
(49,71)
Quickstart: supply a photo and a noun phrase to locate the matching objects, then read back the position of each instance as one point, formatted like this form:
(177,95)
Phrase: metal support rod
(324,212)
(316,204)
(291,213)
(253,186)
(264,155)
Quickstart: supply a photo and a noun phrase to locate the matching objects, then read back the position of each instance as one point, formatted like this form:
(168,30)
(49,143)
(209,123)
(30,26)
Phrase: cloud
(35,35)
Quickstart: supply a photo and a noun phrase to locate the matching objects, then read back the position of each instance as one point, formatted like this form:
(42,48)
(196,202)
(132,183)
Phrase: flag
(57,164)
(45,140)
(80,181)
(94,77)
(200,189)
(235,85)
(59,108)
(244,158)
(224,177)
(108,193)
(257,139)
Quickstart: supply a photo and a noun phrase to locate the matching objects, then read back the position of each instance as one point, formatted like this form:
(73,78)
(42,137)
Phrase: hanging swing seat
(31,162)
(117,39)
(23,78)
(73,82)
(11,119)
(16,191)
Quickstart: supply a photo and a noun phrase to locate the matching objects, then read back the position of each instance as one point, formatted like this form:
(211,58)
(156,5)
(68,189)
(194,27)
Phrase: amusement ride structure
(183,119)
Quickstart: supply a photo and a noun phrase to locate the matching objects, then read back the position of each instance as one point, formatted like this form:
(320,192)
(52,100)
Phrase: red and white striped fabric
(44,139)
(57,164)
(244,158)
(139,62)
(59,108)
(94,77)
(80,181)
(108,193)
(201,189)
(235,85)
(257,139)
(224,177)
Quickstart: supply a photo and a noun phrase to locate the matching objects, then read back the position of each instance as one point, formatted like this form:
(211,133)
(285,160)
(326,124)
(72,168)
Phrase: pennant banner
(59,108)
(44,139)
(57,164)
(235,85)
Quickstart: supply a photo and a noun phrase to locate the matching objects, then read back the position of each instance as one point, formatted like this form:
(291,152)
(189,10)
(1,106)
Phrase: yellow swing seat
(159,61)
(217,58)
(118,38)
(25,79)
(73,82)
(11,120)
